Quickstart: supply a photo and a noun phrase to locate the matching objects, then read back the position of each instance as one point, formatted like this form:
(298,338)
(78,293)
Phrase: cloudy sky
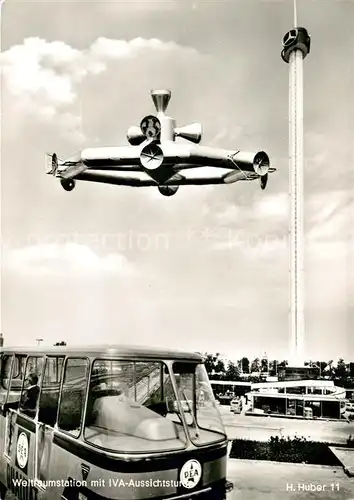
(206,269)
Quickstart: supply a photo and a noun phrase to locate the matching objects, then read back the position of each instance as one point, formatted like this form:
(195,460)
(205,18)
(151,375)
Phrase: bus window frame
(83,414)
(223,436)
(165,363)
(46,358)
(14,358)
(40,380)
(127,360)
(11,357)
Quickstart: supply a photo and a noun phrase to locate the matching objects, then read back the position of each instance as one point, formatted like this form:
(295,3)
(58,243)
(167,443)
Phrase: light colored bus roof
(230,382)
(111,351)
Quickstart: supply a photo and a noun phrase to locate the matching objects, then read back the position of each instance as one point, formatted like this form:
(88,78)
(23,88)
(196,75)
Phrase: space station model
(160,155)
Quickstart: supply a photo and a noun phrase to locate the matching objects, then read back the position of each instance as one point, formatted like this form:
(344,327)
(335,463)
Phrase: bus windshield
(133,407)
(128,410)
(198,403)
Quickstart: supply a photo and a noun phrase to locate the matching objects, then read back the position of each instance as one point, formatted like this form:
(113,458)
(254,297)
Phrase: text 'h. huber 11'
(154,158)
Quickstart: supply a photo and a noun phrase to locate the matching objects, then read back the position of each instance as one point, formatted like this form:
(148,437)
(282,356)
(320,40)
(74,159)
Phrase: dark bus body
(115,422)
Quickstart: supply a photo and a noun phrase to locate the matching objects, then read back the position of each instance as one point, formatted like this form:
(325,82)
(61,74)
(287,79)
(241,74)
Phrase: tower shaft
(296,193)
(296,46)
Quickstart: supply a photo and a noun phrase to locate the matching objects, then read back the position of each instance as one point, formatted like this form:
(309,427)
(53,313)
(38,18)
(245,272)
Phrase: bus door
(20,428)
(44,440)
(47,415)
(27,417)
(12,380)
(6,419)
(9,432)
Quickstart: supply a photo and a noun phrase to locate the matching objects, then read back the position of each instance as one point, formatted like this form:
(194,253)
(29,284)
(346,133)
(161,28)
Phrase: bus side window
(73,395)
(5,374)
(49,398)
(31,386)
(15,383)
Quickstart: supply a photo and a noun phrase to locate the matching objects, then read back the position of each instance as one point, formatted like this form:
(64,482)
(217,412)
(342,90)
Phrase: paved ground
(262,428)
(346,457)
(257,480)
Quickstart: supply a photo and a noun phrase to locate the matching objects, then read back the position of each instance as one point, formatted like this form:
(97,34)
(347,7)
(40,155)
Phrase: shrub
(294,450)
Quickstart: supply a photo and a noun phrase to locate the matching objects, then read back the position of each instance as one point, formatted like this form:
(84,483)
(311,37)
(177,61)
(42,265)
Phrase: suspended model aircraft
(155,158)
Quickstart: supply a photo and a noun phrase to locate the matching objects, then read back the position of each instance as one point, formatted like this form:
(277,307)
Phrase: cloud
(44,79)
(49,72)
(116,49)
(275,205)
(42,69)
(259,225)
(67,259)
(330,216)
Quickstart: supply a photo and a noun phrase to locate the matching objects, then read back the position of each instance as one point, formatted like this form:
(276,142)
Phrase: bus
(109,422)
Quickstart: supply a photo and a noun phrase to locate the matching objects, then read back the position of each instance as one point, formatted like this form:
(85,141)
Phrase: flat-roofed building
(298,398)
(297,372)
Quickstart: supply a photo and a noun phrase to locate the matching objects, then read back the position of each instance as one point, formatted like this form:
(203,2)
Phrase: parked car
(349,407)
(236,405)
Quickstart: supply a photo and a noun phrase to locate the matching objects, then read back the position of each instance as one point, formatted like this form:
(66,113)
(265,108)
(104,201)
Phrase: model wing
(67,169)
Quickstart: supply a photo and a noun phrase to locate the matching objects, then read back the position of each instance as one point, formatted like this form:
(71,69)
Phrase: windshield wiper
(192,413)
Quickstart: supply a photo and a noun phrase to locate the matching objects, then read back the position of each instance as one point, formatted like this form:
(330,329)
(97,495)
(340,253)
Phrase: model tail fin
(51,163)
(263,181)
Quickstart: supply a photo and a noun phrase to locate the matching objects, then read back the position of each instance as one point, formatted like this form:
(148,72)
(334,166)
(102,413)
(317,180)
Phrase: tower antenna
(295,14)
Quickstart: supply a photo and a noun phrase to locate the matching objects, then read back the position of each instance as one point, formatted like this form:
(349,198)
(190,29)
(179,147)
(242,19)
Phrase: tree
(329,369)
(208,363)
(219,365)
(340,371)
(315,368)
(232,372)
(273,368)
(264,365)
(245,364)
(283,364)
(255,365)
(321,366)
(214,366)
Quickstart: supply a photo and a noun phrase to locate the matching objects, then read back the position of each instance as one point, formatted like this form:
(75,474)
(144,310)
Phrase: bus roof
(110,351)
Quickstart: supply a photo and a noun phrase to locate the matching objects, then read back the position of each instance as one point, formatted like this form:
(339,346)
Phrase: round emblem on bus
(191,473)
(22,450)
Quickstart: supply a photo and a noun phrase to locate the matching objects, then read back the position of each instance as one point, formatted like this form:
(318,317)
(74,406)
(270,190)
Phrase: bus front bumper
(209,493)
(229,486)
